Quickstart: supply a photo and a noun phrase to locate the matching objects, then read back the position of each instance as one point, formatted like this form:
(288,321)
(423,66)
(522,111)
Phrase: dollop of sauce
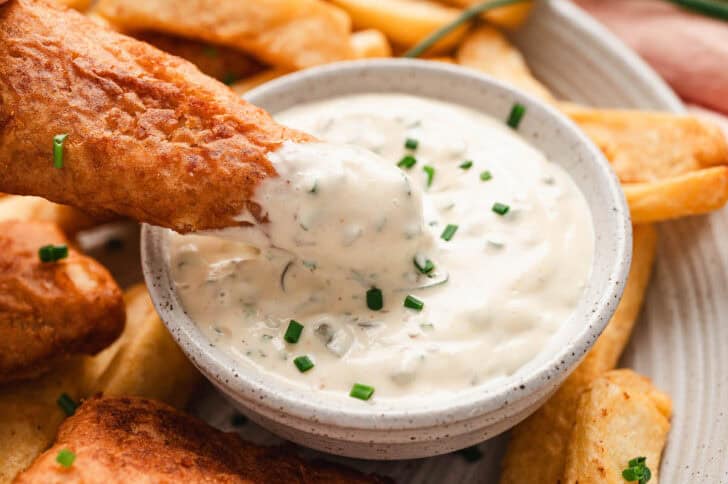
(484,253)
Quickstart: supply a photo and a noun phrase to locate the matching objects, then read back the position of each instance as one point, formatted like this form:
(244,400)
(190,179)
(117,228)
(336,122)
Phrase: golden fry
(620,416)
(51,310)
(70,220)
(128,439)
(650,146)
(30,416)
(80,5)
(404,22)
(541,440)
(145,361)
(223,63)
(508,17)
(693,193)
(286,33)
(370,43)
(487,50)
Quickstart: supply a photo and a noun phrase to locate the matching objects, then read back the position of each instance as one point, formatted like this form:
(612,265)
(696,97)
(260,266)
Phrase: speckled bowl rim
(222,367)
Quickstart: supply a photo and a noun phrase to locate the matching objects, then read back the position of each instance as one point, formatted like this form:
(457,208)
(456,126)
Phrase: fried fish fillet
(128,439)
(49,310)
(149,135)
(621,416)
(292,34)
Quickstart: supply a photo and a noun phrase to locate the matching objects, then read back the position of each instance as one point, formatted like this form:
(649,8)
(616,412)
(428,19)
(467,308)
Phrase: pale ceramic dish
(384,430)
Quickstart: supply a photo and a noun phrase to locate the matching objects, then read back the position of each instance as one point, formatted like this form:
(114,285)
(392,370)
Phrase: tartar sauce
(486,254)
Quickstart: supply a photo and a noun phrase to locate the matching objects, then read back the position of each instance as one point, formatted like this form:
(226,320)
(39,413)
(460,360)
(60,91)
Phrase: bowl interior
(546,129)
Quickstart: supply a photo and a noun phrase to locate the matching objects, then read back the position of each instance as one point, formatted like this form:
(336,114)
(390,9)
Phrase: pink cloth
(690,51)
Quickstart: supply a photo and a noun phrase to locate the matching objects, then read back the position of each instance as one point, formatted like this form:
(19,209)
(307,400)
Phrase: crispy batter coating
(49,310)
(149,136)
(129,439)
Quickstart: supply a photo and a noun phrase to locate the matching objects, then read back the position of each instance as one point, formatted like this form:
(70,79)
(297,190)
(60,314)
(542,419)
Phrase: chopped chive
(427,326)
(229,78)
(52,253)
(58,149)
(67,404)
(413,303)
(449,231)
(303,363)
(362,392)
(486,175)
(314,188)
(501,208)
(411,144)
(466,165)
(375,300)
(517,112)
(293,332)
(66,458)
(210,51)
(407,161)
(471,454)
(430,172)
(424,267)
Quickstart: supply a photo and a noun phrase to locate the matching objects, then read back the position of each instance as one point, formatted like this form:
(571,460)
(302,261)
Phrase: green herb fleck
(427,326)
(52,253)
(411,144)
(430,172)
(449,231)
(466,165)
(362,392)
(67,404)
(229,78)
(375,300)
(486,175)
(424,267)
(517,112)
(501,208)
(293,332)
(407,161)
(637,470)
(58,149)
(303,363)
(66,458)
(413,303)
(210,51)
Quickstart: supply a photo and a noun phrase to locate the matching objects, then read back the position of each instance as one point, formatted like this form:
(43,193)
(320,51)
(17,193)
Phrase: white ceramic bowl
(378,430)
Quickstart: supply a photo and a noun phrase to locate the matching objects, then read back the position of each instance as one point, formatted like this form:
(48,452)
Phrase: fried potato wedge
(404,22)
(370,43)
(487,50)
(30,416)
(285,33)
(650,146)
(692,193)
(541,440)
(80,5)
(70,220)
(149,136)
(145,361)
(223,63)
(49,310)
(508,17)
(620,416)
(127,439)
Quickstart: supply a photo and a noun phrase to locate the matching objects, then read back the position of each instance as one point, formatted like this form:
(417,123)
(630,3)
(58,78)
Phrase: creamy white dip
(491,295)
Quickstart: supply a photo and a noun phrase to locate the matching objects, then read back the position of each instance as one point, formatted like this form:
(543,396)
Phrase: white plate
(678,341)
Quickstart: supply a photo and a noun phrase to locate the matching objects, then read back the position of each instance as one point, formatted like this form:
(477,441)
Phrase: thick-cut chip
(404,22)
(223,63)
(286,33)
(70,220)
(127,439)
(370,43)
(509,17)
(621,416)
(487,50)
(50,310)
(145,361)
(649,146)
(692,193)
(541,440)
(30,416)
